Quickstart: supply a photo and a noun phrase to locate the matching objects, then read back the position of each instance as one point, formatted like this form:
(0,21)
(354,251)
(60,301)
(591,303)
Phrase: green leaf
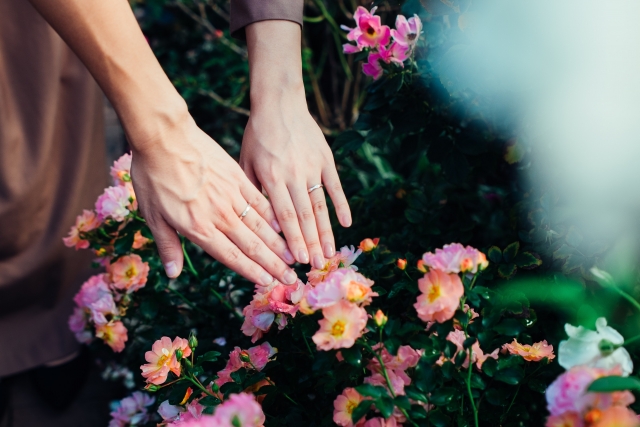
(506,271)
(490,367)
(615,383)
(495,254)
(528,260)
(352,356)
(209,401)
(385,406)
(360,411)
(210,356)
(369,390)
(402,402)
(438,418)
(123,244)
(442,396)
(469,342)
(348,141)
(509,327)
(248,382)
(415,394)
(563,252)
(414,216)
(510,376)
(511,251)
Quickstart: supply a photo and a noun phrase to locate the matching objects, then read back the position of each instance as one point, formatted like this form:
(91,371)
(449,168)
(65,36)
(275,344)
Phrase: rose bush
(405,329)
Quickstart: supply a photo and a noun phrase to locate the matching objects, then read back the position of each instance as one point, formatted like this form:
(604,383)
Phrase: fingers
(169,247)
(288,219)
(261,205)
(258,224)
(319,204)
(307,220)
(334,188)
(221,248)
(255,248)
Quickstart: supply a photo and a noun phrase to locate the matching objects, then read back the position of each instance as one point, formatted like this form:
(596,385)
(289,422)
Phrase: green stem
(468,381)
(188,259)
(200,386)
(304,337)
(626,296)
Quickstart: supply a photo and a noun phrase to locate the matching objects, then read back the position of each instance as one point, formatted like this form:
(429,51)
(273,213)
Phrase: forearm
(106,37)
(275,62)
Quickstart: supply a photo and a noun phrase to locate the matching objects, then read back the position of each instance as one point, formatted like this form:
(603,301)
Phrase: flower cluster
(254,358)
(132,410)
(164,358)
(103,299)
(370,35)
(239,410)
(589,355)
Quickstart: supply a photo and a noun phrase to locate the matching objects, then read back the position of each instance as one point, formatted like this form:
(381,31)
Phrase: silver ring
(315,187)
(245,211)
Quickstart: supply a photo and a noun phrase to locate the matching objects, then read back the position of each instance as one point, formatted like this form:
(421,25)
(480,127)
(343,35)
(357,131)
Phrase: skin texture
(284,150)
(184,181)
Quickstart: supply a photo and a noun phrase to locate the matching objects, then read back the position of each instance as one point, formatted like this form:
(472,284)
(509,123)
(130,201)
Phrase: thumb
(169,247)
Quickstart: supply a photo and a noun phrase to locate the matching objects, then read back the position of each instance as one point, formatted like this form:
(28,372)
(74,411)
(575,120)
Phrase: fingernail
(328,250)
(345,220)
(290,277)
(318,261)
(276,226)
(288,257)
(303,257)
(171,269)
(266,279)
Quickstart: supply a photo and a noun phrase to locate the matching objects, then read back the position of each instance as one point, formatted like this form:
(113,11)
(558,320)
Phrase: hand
(185,182)
(283,149)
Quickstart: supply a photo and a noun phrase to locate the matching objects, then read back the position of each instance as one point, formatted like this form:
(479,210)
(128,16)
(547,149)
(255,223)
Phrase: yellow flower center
(351,405)
(131,272)
(434,293)
(338,328)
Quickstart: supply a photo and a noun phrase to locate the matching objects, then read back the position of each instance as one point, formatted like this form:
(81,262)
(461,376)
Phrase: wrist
(144,126)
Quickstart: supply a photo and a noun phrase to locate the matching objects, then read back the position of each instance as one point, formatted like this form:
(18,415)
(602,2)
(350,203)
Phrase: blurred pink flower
(568,393)
(617,416)
(372,32)
(530,353)
(115,203)
(114,334)
(408,31)
(372,67)
(162,359)
(79,326)
(121,170)
(440,297)
(344,405)
(96,297)
(129,273)
(567,419)
(455,258)
(191,413)
(132,410)
(397,382)
(342,324)
(349,48)
(396,53)
(381,422)
(85,222)
(239,410)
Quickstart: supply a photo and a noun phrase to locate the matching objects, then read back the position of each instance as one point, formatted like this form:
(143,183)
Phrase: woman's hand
(185,182)
(283,149)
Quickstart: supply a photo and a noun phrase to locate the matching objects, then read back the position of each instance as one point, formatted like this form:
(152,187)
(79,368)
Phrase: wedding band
(245,211)
(315,187)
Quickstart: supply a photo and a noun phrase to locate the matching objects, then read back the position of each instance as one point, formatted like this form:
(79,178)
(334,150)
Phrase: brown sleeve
(245,12)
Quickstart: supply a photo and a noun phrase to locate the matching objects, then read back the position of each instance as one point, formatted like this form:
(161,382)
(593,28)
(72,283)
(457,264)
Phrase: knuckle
(288,215)
(296,241)
(319,206)
(226,216)
(336,187)
(326,235)
(257,226)
(305,215)
(253,248)
(232,256)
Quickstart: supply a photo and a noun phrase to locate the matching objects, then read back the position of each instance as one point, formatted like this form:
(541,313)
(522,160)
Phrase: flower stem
(468,381)
(227,304)
(189,303)
(631,340)
(188,259)
(273,384)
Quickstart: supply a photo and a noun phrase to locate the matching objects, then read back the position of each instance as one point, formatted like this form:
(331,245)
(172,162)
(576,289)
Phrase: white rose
(598,349)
